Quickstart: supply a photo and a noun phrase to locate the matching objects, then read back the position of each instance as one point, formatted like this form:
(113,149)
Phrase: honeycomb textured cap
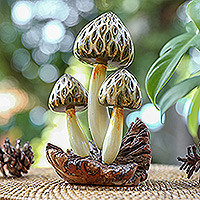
(105,40)
(68,93)
(121,89)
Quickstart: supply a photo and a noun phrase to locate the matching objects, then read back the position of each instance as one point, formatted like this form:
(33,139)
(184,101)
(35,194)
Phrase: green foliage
(193,11)
(178,91)
(165,66)
(193,116)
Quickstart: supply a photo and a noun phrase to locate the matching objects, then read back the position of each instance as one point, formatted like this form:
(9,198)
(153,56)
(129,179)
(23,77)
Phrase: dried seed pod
(91,170)
(17,159)
(135,148)
(76,169)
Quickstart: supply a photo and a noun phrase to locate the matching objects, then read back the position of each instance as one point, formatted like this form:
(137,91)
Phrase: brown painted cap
(105,40)
(120,89)
(68,93)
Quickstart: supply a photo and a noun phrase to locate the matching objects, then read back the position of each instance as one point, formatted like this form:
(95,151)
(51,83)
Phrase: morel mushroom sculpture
(68,96)
(105,43)
(120,90)
(110,160)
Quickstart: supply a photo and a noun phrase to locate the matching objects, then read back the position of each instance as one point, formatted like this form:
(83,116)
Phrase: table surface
(164,182)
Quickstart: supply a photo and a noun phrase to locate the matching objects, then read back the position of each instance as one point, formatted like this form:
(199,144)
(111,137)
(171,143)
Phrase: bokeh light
(31,72)
(79,71)
(54,132)
(149,115)
(7,101)
(48,48)
(131,117)
(131,6)
(48,73)
(12,101)
(37,116)
(84,5)
(8,33)
(182,107)
(40,57)
(73,17)
(52,9)
(21,59)
(32,37)
(53,31)
(22,12)
(66,44)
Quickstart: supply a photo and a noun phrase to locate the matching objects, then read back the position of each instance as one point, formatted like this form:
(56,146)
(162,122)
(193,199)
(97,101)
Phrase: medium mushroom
(120,90)
(69,96)
(104,43)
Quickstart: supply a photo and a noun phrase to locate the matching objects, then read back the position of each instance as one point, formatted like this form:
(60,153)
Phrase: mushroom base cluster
(129,167)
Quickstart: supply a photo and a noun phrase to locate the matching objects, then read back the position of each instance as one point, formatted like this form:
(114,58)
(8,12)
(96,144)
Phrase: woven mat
(164,182)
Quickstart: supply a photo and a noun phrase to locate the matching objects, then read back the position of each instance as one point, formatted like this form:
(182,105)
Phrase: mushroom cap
(105,40)
(68,93)
(120,89)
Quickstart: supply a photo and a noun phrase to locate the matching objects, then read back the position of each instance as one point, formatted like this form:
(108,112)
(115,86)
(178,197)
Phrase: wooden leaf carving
(129,168)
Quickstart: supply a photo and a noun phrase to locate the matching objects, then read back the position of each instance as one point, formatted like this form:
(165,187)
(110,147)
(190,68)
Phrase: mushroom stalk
(113,138)
(98,115)
(77,138)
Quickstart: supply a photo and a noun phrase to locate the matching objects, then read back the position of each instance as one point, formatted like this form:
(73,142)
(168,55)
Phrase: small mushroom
(69,96)
(120,90)
(104,42)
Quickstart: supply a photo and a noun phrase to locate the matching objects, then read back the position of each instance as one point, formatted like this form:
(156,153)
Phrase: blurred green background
(36,42)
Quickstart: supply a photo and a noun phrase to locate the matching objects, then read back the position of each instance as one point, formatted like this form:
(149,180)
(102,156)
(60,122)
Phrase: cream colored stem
(113,137)
(77,138)
(98,116)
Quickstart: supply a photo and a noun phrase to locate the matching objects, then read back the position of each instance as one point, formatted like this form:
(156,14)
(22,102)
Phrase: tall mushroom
(69,96)
(104,42)
(120,90)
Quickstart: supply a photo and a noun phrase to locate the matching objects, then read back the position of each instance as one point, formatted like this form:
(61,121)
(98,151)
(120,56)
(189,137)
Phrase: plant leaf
(172,43)
(193,116)
(193,10)
(190,28)
(164,67)
(176,92)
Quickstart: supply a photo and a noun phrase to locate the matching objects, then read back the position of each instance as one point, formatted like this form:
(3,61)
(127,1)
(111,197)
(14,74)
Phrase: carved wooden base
(129,168)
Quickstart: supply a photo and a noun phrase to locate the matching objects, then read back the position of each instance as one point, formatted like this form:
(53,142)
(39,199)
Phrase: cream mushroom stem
(113,138)
(98,115)
(77,138)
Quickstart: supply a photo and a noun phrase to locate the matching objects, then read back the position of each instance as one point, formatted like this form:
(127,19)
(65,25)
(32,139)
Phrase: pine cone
(135,148)
(191,163)
(17,159)
(2,163)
